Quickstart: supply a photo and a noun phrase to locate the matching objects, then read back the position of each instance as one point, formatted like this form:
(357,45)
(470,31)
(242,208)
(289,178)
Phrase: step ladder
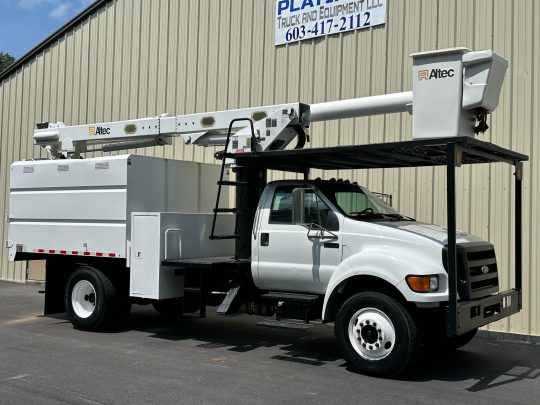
(238,183)
(292,307)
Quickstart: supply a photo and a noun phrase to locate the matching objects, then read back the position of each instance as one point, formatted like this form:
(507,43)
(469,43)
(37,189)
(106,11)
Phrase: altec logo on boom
(99,131)
(429,74)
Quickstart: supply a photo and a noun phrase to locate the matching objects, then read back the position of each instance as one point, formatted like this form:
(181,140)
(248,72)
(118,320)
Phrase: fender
(390,266)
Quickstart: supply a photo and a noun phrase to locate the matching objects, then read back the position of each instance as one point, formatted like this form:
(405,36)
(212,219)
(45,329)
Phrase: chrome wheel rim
(372,334)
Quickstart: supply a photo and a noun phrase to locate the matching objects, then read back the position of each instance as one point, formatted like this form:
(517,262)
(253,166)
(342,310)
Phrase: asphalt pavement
(217,360)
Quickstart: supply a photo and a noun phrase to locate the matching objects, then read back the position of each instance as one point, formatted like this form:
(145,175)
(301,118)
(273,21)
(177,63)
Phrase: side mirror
(298,212)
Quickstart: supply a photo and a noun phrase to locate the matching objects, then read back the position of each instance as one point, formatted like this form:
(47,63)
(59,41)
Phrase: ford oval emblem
(485,269)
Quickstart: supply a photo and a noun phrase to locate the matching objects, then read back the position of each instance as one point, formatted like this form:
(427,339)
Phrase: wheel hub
(372,333)
(83,299)
(369,334)
(90,298)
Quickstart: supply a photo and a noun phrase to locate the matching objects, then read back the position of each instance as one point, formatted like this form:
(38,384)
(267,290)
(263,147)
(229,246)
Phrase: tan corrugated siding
(138,58)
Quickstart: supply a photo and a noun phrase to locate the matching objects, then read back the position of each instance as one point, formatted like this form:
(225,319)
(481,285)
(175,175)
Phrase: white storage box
(158,236)
(83,207)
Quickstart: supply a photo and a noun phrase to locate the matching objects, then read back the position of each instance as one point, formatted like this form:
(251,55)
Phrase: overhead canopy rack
(418,153)
(450,152)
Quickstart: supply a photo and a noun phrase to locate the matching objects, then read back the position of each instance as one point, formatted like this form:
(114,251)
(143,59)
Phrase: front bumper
(479,312)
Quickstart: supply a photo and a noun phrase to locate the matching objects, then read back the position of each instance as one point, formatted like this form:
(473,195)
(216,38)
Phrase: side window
(316,211)
(281,210)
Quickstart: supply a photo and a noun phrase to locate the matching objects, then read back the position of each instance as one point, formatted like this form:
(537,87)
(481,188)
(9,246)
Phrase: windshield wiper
(399,217)
(367,215)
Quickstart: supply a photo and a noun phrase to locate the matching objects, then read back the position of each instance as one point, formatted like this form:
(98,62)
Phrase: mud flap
(55,282)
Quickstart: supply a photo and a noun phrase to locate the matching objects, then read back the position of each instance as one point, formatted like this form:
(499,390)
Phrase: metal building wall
(135,58)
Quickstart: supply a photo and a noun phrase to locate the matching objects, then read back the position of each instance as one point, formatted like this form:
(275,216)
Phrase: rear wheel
(376,334)
(93,301)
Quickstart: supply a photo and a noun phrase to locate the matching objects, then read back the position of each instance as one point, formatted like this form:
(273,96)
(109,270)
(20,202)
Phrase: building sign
(297,20)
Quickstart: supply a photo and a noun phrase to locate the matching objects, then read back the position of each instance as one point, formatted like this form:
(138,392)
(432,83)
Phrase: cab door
(289,257)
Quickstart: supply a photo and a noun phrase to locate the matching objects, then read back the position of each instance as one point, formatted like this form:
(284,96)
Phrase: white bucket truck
(122,229)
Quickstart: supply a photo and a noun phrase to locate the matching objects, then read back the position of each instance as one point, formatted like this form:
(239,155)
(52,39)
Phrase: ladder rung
(218,237)
(239,183)
(233,210)
(225,210)
(232,183)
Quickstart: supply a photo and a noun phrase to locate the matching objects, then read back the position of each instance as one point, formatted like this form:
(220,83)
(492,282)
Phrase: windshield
(357,202)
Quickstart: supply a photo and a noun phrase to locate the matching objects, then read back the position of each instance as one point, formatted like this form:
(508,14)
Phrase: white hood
(436,233)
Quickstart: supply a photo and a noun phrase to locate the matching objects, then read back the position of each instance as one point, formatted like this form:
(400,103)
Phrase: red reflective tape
(86,253)
(41,250)
(74,252)
(99,254)
(52,250)
(112,254)
(63,252)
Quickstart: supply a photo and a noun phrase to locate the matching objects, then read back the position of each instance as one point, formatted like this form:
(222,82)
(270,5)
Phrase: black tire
(105,303)
(170,309)
(387,358)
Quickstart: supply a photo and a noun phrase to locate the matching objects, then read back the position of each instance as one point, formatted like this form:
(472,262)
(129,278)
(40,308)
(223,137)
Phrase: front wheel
(376,334)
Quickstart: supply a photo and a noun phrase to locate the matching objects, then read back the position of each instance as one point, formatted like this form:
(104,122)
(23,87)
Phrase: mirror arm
(320,228)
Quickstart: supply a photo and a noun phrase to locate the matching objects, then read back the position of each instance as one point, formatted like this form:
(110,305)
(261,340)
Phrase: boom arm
(452,90)
(274,128)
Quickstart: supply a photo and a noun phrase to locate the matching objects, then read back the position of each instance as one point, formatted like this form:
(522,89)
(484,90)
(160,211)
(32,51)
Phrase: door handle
(331,245)
(265,239)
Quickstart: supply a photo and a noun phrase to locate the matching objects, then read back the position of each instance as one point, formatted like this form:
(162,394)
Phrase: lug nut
(367,322)
(370,347)
(357,330)
(361,324)
(375,324)
(363,345)
(377,345)
(379,330)
(380,337)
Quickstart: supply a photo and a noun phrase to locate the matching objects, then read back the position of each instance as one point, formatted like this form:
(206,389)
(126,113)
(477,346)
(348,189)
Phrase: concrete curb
(509,337)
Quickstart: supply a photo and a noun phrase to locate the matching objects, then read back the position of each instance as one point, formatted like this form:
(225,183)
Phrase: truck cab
(381,275)
(346,232)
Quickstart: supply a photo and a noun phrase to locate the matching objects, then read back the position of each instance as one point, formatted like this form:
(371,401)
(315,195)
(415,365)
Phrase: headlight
(423,284)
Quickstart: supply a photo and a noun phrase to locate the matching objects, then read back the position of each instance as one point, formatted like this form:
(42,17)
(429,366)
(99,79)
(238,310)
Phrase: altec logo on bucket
(429,74)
